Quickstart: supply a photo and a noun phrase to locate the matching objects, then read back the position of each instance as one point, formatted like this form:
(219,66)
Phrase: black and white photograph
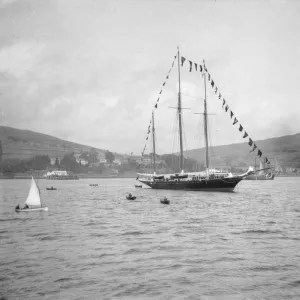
(150,149)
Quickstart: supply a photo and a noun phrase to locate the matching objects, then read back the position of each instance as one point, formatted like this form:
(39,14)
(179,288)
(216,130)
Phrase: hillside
(286,150)
(23,144)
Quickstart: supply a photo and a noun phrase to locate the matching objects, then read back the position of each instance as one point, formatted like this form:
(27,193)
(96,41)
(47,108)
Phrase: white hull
(32,209)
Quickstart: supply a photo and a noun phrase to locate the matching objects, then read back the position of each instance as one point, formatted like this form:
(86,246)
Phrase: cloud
(92,70)
(4,3)
(19,59)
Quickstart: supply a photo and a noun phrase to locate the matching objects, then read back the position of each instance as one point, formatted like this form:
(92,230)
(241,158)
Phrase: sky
(90,71)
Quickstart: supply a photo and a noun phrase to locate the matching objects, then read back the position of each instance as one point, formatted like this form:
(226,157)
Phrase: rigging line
(212,152)
(185,140)
(173,138)
(191,96)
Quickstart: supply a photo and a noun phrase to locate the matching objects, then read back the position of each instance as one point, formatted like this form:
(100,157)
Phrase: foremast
(180,116)
(205,127)
(153,145)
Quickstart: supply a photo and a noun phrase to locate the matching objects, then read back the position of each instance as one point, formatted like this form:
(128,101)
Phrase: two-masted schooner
(210,180)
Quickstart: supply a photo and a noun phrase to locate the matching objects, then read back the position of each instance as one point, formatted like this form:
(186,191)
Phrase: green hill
(23,144)
(286,150)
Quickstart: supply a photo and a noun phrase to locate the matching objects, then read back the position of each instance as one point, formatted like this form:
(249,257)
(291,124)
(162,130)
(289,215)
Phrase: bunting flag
(160,93)
(195,66)
(208,76)
(259,153)
(191,65)
(200,68)
(182,60)
(254,147)
(147,138)
(173,62)
(250,143)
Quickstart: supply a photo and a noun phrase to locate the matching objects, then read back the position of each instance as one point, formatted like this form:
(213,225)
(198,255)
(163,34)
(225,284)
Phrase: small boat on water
(138,186)
(130,197)
(93,184)
(165,200)
(51,188)
(33,201)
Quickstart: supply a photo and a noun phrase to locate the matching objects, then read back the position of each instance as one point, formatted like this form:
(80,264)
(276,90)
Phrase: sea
(93,243)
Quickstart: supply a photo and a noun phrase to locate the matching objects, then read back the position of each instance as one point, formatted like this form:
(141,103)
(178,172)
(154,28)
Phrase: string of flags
(164,84)
(202,68)
(156,104)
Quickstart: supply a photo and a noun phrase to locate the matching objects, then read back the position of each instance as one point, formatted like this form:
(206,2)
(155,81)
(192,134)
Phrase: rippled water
(95,244)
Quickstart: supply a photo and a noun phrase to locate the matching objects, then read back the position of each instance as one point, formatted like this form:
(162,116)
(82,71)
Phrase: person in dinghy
(33,201)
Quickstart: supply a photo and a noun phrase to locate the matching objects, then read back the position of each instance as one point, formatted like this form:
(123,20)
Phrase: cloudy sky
(90,71)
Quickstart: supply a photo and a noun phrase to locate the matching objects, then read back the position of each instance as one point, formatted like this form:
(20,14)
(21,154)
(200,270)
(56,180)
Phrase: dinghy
(138,186)
(130,197)
(51,188)
(33,201)
(165,200)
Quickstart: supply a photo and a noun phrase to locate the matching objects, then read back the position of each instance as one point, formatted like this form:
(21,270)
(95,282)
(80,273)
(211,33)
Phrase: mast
(179,114)
(205,127)
(153,139)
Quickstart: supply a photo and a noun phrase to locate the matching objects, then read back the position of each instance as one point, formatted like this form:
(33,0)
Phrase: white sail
(261,166)
(34,195)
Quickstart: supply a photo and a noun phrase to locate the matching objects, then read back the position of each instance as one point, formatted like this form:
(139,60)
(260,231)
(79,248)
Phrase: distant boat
(33,201)
(138,186)
(61,175)
(130,197)
(93,184)
(165,200)
(51,188)
(261,174)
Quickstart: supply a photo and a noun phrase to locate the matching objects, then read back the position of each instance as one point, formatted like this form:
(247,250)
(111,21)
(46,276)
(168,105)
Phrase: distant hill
(286,150)
(23,144)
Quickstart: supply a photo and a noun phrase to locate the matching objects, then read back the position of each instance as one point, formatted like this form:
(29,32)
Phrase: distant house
(101,158)
(117,162)
(53,160)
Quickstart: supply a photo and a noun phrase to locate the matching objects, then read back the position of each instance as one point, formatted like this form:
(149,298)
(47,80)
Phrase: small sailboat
(33,201)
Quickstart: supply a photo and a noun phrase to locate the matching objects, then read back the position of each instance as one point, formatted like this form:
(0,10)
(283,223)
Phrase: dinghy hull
(31,209)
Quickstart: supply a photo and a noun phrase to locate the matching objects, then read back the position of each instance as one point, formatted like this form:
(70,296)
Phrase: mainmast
(205,127)
(153,139)
(179,115)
